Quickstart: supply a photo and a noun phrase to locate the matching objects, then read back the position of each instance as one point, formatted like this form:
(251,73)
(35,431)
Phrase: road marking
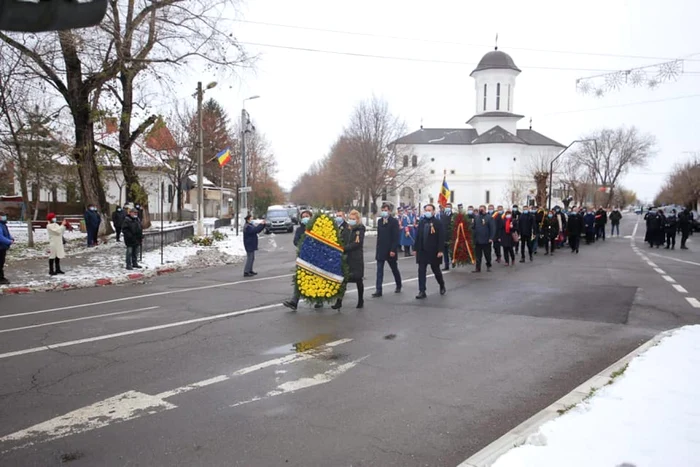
(680,288)
(660,271)
(676,259)
(694,302)
(303,383)
(133,404)
(32,326)
(669,278)
(653,265)
(634,231)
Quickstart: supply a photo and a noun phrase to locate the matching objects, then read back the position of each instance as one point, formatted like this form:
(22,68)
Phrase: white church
(488,163)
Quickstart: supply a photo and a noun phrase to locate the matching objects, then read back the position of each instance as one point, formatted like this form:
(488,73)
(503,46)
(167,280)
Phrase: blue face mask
(305,220)
(3,218)
(550,215)
(428,214)
(448,211)
(500,212)
(470,211)
(384,214)
(526,211)
(352,222)
(339,220)
(490,211)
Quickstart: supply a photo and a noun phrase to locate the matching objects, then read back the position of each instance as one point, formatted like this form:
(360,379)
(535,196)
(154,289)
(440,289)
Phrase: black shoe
(443,290)
(684,248)
(4,281)
(421,296)
(522,260)
(530,258)
(667,247)
(546,254)
(445,269)
(398,290)
(360,304)
(488,268)
(254,273)
(476,271)
(376,294)
(136,266)
(290,304)
(247,274)
(58,271)
(129,268)
(318,306)
(338,305)
(576,250)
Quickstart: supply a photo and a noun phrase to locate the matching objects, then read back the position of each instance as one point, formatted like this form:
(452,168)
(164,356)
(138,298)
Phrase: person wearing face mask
(589,224)
(497,216)
(430,241)
(133,236)
(527,227)
(56,250)
(483,234)
(353,234)
(516,217)
(118,220)
(540,239)
(562,220)
(92,224)
(446,219)
(250,242)
(508,237)
(601,220)
(574,227)
(304,219)
(6,241)
(388,234)
(550,231)
(407,235)
(671,229)
(684,226)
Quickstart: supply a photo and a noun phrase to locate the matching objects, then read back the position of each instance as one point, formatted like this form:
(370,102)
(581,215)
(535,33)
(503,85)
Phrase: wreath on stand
(461,244)
(321,267)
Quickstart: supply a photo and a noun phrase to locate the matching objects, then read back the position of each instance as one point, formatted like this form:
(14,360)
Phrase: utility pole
(244,168)
(200,161)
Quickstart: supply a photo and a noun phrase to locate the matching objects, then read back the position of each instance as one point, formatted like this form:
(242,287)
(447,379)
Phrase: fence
(151,240)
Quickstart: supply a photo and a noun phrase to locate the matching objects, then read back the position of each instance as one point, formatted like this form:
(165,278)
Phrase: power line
(629,104)
(435,41)
(411,59)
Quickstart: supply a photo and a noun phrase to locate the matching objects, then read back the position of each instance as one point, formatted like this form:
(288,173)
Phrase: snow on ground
(648,417)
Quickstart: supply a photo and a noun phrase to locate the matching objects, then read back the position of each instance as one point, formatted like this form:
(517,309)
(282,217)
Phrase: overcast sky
(307,97)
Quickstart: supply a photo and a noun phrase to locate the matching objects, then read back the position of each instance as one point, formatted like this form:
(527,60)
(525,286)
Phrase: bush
(203,241)
(218,236)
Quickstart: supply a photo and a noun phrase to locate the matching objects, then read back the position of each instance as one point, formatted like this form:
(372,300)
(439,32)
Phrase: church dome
(496,60)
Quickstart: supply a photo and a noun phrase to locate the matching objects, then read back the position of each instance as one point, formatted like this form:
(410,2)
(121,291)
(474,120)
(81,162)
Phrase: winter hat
(51,216)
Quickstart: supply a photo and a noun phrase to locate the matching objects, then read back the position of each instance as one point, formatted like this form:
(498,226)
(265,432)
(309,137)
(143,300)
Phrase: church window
(509,98)
(432,172)
(488,159)
(414,161)
(488,197)
(452,172)
(498,96)
(485,88)
(432,159)
(405,161)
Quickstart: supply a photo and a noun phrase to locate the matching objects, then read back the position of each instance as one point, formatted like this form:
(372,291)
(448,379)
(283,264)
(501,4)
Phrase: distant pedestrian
(508,237)
(671,229)
(407,235)
(589,226)
(615,217)
(92,224)
(550,232)
(430,239)
(304,219)
(6,241)
(133,236)
(388,232)
(498,222)
(250,242)
(118,220)
(56,250)
(353,234)
(654,235)
(446,219)
(483,234)
(575,228)
(601,220)
(684,225)
(527,228)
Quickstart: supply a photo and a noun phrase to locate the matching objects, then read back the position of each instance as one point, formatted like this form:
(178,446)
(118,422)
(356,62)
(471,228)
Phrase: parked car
(293,214)
(278,220)
(695,226)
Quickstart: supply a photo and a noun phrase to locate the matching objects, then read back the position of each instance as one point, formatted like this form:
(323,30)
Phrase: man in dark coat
(6,242)
(684,225)
(118,220)
(655,228)
(671,229)
(499,225)
(483,234)
(589,226)
(601,220)
(446,219)
(574,226)
(527,227)
(388,232)
(615,217)
(92,224)
(133,236)
(250,243)
(352,231)
(430,241)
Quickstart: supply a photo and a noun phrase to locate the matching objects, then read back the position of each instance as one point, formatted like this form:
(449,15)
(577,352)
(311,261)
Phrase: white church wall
(492,78)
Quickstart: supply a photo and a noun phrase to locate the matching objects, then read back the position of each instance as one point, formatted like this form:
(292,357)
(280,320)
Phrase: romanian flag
(224,157)
(444,196)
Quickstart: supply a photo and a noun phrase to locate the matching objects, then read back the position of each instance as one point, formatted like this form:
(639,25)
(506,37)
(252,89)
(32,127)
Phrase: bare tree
(515,190)
(614,152)
(539,168)
(682,186)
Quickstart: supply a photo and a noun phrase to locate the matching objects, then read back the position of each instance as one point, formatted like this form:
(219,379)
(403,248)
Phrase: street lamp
(200,161)
(244,169)
(551,165)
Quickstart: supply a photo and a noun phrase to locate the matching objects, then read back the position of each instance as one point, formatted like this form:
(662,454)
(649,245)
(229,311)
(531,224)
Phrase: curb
(102,282)
(519,435)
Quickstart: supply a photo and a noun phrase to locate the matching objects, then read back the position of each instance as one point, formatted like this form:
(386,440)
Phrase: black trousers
(523,243)
(3,254)
(671,239)
(483,250)
(423,273)
(550,245)
(497,249)
(684,237)
(574,241)
(446,256)
(118,231)
(509,254)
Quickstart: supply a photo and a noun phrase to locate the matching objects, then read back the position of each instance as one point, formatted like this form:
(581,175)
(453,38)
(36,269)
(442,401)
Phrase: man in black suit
(446,219)
(388,232)
(429,250)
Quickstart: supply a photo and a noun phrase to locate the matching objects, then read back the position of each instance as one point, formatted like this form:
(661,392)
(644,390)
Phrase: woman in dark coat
(353,234)
(550,230)
(507,242)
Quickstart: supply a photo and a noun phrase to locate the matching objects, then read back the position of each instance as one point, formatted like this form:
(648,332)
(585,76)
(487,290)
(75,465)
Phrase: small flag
(224,157)
(444,195)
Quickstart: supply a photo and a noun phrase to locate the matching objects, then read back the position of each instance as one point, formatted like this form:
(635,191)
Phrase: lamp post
(551,166)
(244,168)
(200,161)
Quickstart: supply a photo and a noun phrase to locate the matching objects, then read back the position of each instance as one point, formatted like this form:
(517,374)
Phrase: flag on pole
(444,196)
(224,157)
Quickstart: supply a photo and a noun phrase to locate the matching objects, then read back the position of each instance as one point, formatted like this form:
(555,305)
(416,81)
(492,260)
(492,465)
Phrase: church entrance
(407,196)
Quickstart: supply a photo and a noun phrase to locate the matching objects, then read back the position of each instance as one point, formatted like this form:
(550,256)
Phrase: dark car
(278,220)
(294,215)
(695,222)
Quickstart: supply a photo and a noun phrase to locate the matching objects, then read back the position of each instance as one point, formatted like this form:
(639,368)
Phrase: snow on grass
(649,416)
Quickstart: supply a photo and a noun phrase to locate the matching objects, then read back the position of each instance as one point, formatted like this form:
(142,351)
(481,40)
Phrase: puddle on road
(301,346)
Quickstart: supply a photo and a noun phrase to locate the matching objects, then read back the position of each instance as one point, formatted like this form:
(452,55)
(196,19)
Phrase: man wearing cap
(133,236)
(6,241)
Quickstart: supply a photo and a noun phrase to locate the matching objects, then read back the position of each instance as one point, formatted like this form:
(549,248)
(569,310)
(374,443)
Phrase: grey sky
(307,97)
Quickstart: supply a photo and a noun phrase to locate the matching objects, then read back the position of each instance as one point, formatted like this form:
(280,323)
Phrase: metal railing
(151,240)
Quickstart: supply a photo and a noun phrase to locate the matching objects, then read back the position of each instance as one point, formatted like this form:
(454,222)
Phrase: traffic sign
(245,189)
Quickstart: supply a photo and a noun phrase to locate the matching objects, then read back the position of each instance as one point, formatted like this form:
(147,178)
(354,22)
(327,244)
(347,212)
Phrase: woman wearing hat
(56,250)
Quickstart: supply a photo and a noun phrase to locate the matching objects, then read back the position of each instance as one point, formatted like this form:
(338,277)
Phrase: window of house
(485,88)
(414,161)
(488,159)
(509,98)
(452,172)
(432,200)
(54,195)
(488,197)
(432,172)
(405,161)
(452,196)
(498,96)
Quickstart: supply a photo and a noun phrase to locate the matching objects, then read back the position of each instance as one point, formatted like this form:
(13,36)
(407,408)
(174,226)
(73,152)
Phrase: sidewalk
(649,415)
(28,269)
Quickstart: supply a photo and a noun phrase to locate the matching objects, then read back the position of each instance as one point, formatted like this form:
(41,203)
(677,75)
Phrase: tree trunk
(541,180)
(25,197)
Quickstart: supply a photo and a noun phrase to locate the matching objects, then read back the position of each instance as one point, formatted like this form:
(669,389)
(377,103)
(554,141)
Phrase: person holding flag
(446,219)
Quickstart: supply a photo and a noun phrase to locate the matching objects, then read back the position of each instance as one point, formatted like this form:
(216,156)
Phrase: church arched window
(498,96)
(405,161)
(414,161)
(485,89)
(509,98)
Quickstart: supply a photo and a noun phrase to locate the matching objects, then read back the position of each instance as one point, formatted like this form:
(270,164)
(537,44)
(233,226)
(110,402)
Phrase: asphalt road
(199,368)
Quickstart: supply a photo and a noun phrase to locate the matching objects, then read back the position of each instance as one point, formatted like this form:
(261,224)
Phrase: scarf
(509,223)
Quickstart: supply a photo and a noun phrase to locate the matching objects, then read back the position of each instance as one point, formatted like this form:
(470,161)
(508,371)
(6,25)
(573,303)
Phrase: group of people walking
(663,228)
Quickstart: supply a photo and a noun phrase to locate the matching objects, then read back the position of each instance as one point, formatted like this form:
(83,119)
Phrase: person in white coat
(56,250)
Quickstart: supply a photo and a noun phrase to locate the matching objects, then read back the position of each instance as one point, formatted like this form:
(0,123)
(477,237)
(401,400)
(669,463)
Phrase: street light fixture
(244,168)
(200,161)
(551,165)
